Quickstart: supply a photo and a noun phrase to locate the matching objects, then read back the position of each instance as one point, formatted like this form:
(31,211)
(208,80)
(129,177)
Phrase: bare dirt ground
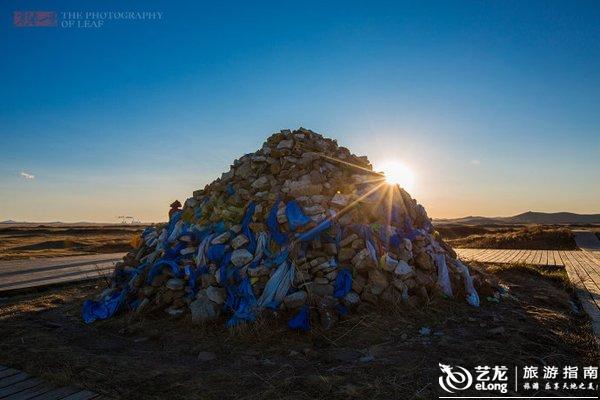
(535,237)
(20,242)
(378,354)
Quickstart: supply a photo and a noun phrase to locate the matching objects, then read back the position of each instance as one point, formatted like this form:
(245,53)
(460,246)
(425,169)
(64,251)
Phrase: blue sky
(495,106)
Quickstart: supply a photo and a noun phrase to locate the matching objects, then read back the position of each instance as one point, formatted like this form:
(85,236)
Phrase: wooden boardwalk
(582,266)
(32,273)
(17,385)
(532,257)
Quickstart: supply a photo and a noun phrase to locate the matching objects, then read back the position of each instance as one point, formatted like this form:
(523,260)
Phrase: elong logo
(455,379)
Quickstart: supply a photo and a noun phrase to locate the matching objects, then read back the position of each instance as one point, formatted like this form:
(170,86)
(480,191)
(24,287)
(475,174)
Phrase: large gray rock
(261,183)
(215,294)
(222,238)
(175,284)
(339,200)
(378,281)
(295,300)
(285,144)
(352,299)
(241,257)
(316,289)
(239,241)
(313,210)
(203,310)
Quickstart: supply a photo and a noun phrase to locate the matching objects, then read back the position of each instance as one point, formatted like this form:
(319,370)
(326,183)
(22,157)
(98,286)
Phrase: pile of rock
(302,224)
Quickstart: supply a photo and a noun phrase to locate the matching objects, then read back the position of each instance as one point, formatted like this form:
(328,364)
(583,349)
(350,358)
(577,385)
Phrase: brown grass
(44,241)
(155,357)
(531,237)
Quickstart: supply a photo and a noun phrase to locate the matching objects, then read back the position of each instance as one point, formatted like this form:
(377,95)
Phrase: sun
(398,173)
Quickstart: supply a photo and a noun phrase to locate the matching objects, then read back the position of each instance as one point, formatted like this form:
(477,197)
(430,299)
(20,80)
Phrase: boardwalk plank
(592,260)
(530,257)
(82,395)
(583,283)
(57,394)
(8,372)
(586,240)
(35,264)
(556,258)
(463,254)
(30,393)
(592,277)
(82,270)
(11,277)
(9,380)
(535,259)
(489,254)
(31,273)
(544,259)
(523,257)
(514,256)
(518,259)
(484,254)
(469,253)
(537,255)
(561,257)
(496,257)
(505,256)
(477,254)
(20,386)
(540,260)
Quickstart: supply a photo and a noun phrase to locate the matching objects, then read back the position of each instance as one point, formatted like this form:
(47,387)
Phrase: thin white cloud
(475,162)
(27,176)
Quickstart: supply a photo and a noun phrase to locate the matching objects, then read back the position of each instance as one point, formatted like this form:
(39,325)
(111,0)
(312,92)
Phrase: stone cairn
(300,225)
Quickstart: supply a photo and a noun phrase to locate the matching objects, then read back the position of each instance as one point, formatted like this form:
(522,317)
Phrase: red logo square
(34,18)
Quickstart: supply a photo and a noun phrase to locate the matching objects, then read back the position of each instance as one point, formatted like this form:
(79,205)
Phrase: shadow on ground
(373,354)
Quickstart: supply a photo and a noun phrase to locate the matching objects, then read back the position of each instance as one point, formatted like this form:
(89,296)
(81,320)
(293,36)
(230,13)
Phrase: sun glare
(398,173)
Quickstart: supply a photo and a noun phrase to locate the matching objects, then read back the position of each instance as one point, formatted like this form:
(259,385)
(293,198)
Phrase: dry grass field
(18,242)
(536,237)
(374,353)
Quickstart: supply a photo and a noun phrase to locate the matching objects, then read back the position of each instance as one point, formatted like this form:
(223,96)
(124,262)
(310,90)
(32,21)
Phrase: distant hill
(530,217)
(11,222)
